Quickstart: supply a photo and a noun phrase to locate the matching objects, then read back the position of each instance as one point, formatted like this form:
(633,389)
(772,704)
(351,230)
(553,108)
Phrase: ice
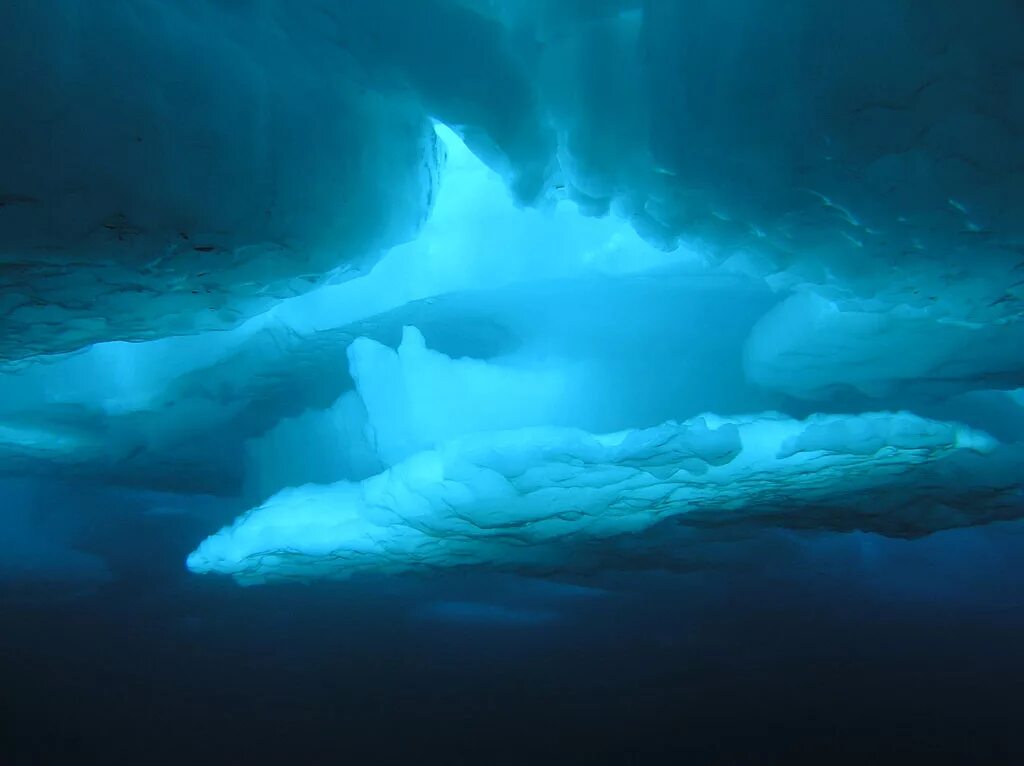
(533,498)
(209,412)
(177,167)
(316,446)
(809,345)
(416,397)
(433,283)
(229,155)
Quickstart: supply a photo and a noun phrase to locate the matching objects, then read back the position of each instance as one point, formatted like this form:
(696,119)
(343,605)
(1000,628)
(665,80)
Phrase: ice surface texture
(530,498)
(170,167)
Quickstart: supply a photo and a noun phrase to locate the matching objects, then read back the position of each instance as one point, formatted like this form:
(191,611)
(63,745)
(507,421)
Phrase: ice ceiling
(540,285)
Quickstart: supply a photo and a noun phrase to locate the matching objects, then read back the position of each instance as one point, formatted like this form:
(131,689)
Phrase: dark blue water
(841,648)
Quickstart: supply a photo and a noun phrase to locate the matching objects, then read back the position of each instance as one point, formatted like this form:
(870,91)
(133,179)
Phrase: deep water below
(841,647)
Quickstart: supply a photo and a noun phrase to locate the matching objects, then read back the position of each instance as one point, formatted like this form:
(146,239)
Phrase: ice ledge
(531,498)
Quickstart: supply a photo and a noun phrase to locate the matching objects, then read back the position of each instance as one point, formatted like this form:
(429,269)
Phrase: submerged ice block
(550,498)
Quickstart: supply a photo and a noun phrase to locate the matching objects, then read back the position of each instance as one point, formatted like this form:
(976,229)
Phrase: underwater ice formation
(171,167)
(364,244)
(509,498)
(476,478)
